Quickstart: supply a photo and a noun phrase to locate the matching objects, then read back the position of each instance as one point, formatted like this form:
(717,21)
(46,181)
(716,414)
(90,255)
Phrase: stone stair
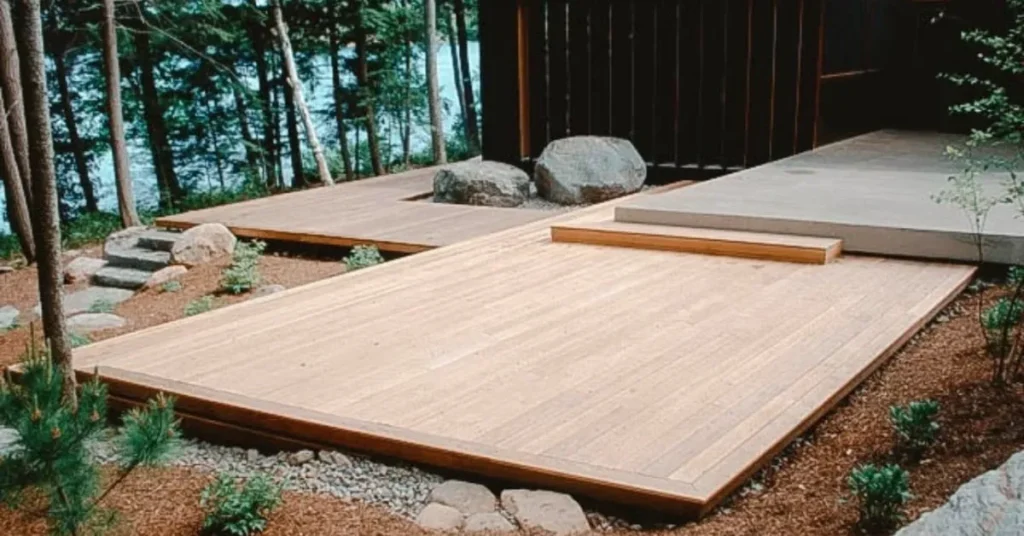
(133,257)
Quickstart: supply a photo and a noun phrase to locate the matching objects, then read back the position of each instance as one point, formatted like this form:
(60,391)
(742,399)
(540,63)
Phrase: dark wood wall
(701,87)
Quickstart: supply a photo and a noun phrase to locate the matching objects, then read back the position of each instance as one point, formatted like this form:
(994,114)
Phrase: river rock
(439,517)
(589,169)
(491,184)
(164,275)
(466,497)
(545,510)
(202,244)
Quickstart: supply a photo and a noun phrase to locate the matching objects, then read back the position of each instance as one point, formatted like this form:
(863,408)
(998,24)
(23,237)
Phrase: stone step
(128,278)
(158,240)
(138,258)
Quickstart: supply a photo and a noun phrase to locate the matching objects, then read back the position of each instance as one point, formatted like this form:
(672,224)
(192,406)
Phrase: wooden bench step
(788,248)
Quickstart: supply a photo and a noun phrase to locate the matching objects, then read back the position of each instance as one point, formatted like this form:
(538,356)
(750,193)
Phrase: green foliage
(78,339)
(238,509)
(881,492)
(102,306)
(9,246)
(50,459)
(199,306)
(171,286)
(915,424)
(362,257)
(244,273)
(89,228)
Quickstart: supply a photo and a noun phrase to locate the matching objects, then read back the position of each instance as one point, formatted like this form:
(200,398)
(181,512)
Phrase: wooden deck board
(649,377)
(370,211)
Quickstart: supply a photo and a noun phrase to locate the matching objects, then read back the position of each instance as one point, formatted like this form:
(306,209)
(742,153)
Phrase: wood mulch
(802,492)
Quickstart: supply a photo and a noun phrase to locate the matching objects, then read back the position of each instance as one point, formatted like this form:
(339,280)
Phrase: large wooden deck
(649,377)
(387,211)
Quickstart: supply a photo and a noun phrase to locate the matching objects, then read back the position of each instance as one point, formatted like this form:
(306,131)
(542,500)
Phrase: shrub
(50,460)
(90,228)
(77,339)
(882,492)
(171,286)
(238,509)
(199,306)
(102,306)
(244,273)
(362,257)
(915,424)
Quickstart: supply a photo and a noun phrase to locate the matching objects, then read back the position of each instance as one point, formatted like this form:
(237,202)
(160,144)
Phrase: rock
(439,517)
(83,300)
(124,239)
(466,497)
(267,290)
(122,278)
(545,510)
(159,240)
(252,455)
(300,457)
(202,244)
(8,317)
(88,322)
(167,274)
(138,258)
(485,183)
(81,269)
(589,169)
(991,504)
(490,522)
(334,458)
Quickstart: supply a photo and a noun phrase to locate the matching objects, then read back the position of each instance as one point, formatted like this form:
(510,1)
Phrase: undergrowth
(199,306)
(238,508)
(881,493)
(244,273)
(362,257)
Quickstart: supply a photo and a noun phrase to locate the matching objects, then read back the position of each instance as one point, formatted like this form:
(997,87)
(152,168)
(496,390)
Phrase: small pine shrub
(171,286)
(102,306)
(77,339)
(999,321)
(238,509)
(881,492)
(915,424)
(50,460)
(244,273)
(362,257)
(199,306)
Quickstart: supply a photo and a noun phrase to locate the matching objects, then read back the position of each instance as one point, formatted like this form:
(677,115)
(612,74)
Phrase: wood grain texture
(381,211)
(785,248)
(654,378)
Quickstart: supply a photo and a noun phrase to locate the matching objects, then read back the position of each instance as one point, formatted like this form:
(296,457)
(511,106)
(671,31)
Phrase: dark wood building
(701,87)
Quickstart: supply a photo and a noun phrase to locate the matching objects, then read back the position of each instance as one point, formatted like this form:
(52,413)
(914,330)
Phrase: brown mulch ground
(804,491)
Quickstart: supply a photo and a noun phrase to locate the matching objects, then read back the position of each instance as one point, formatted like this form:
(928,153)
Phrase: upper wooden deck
(657,378)
(387,211)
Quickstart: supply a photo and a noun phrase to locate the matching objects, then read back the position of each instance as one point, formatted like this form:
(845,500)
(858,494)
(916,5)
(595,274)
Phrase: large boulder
(81,269)
(491,184)
(123,240)
(557,513)
(466,497)
(202,244)
(589,169)
(89,322)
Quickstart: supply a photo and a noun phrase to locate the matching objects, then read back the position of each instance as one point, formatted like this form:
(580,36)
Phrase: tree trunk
(433,92)
(300,100)
(453,49)
(406,126)
(473,133)
(252,151)
(171,192)
(29,32)
(363,77)
(118,143)
(292,125)
(339,116)
(17,205)
(270,161)
(10,79)
(77,148)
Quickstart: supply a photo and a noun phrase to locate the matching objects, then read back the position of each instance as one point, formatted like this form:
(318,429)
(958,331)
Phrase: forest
(206,108)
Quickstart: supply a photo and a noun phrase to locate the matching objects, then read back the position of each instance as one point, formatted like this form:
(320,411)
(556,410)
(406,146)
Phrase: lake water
(319,96)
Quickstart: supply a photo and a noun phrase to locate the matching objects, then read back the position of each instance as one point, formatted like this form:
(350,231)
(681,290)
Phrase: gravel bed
(401,488)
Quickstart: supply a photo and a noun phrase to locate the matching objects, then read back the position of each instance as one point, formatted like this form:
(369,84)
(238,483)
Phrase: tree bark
(252,156)
(270,162)
(29,33)
(292,126)
(363,77)
(300,100)
(10,79)
(171,192)
(472,130)
(115,114)
(453,49)
(77,147)
(17,205)
(339,116)
(433,92)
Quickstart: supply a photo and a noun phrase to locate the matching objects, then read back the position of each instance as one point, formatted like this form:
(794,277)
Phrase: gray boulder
(8,317)
(491,184)
(589,169)
(89,322)
(85,299)
(81,269)
(439,517)
(990,505)
(545,510)
(124,239)
(466,497)
(202,244)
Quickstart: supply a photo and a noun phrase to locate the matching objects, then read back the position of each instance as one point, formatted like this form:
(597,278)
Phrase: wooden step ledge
(776,247)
